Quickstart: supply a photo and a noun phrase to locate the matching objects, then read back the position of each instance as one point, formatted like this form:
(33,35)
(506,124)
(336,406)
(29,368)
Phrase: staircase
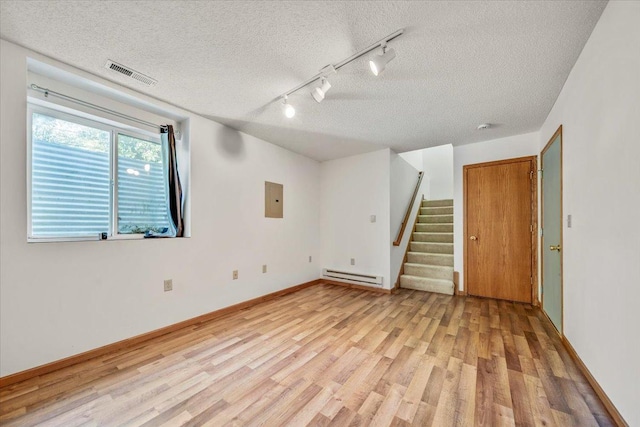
(429,265)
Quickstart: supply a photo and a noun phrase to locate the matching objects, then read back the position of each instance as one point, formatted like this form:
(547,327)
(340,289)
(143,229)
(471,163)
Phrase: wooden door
(499,223)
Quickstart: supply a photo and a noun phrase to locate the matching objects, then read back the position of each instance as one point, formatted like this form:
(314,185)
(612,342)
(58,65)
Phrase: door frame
(542,243)
(534,220)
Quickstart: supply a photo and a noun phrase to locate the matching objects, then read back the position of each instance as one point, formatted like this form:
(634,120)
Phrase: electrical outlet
(264,268)
(168,285)
(235,274)
(353,261)
(309,258)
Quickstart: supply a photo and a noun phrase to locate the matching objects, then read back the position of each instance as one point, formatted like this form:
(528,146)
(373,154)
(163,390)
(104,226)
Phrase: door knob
(555,248)
(473,238)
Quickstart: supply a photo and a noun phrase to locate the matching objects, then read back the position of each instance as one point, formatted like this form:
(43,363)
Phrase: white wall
(404,178)
(352,189)
(60,299)
(480,152)
(414,158)
(599,109)
(438,165)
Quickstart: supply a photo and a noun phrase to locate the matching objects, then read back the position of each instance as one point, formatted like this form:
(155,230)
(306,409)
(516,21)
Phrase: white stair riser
(440,210)
(434,228)
(429,285)
(431,259)
(429,271)
(435,248)
(436,219)
(434,203)
(433,237)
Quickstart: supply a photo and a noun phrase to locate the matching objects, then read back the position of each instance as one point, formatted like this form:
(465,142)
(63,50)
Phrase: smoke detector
(484,126)
(131,73)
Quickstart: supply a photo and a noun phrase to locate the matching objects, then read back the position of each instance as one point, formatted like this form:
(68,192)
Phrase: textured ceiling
(458,64)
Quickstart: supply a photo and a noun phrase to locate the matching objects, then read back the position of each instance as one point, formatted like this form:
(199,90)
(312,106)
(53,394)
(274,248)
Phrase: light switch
(372,218)
(568,221)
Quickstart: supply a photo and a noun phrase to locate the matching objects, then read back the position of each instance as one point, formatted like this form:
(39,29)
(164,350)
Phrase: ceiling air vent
(119,68)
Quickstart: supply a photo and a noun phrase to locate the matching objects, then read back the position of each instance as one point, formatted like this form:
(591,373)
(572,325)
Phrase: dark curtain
(173,179)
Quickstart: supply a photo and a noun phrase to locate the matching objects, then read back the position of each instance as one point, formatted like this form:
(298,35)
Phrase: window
(89,178)
(142,204)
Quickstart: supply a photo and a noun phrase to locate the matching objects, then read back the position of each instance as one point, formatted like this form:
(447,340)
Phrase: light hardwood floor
(328,355)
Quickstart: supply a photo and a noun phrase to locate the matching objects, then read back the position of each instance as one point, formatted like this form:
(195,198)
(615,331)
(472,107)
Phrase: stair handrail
(408,213)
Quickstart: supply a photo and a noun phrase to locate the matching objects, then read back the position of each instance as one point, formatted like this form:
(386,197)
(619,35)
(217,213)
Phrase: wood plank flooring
(328,355)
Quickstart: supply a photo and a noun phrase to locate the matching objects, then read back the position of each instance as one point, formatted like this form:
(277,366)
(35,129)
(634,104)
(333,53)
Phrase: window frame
(97,123)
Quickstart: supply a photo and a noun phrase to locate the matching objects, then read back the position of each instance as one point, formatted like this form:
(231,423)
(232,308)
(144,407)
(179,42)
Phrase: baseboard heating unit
(357,278)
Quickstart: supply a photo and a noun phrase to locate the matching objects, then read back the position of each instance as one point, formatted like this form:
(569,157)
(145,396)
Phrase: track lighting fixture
(319,92)
(376,63)
(287,108)
(379,62)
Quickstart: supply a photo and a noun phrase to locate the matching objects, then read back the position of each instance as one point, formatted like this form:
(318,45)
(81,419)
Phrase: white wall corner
(351,190)
(404,178)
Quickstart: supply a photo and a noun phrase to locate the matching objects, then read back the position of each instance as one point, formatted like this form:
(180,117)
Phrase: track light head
(379,62)
(287,108)
(319,93)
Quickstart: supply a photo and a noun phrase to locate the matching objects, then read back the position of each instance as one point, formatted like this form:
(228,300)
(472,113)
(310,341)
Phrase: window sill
(119,237)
